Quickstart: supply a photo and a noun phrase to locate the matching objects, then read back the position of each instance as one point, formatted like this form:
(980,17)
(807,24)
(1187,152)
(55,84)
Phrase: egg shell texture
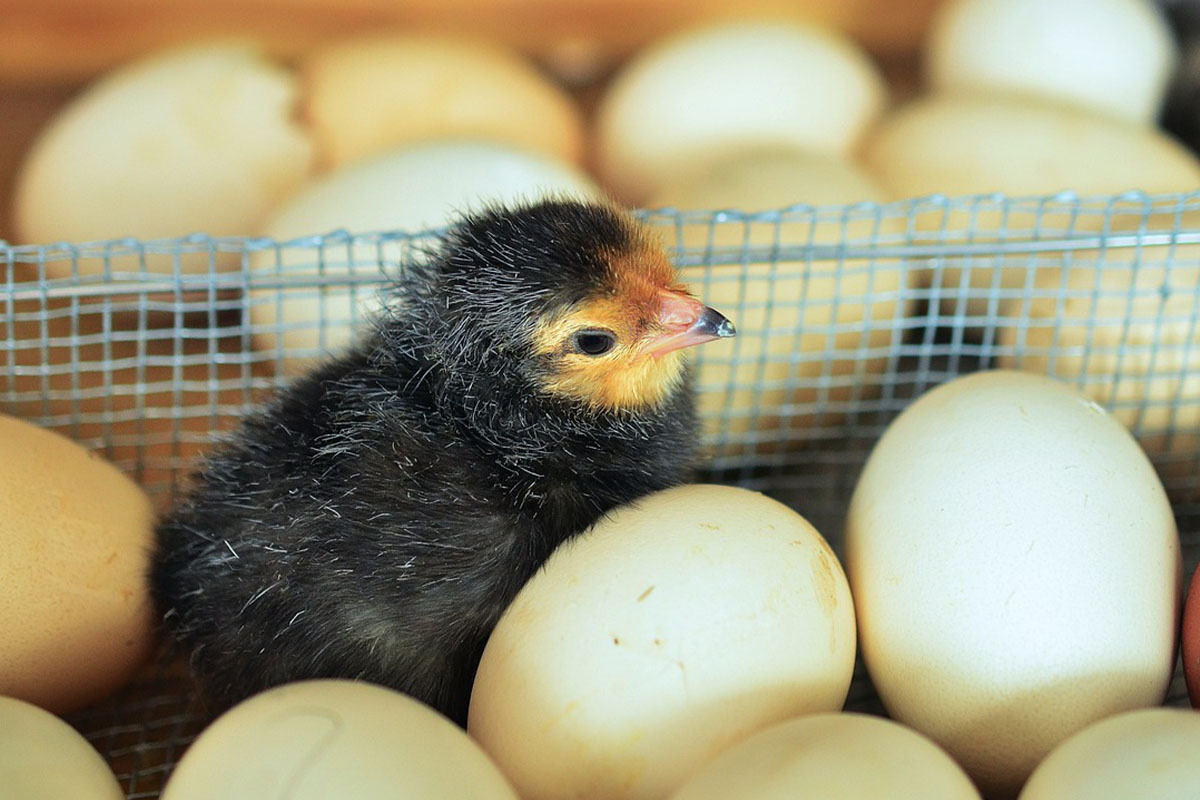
(75,538)
(44,758)
(1016,571)
(1148,753)
(833,757)
(673,628)
(315,740)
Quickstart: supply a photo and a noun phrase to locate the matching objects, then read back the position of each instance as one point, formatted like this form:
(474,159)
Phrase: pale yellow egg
(676,626)
(315,740)
(44,758)
(196,139)
(833,757)
(708,93)
(374,93)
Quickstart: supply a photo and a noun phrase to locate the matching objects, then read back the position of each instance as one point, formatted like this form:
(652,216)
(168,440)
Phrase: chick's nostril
(678,310)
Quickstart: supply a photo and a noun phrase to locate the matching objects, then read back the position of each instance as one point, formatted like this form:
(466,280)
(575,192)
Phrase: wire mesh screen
(144,351)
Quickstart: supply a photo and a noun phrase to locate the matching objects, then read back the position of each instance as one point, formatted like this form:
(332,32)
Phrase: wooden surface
(65,42)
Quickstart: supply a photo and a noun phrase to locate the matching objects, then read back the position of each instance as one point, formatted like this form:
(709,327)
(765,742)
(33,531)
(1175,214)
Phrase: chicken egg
(792,315)
(978,144)
(708,93)
(194,139)
(410,189)
(1147,753)
(1015,568)
(314,740)
(370,94)
(833,757)
(674,627)
(75,541)
(44,758)
(1113,56)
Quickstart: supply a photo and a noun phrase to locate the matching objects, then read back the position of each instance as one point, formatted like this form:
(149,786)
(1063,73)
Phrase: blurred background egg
(1112,56)
(769,381)
(1148,753)
(369,94)
(1016,571)
(75,540)
(673,628)
(316,740)
(967,143)
(407,190)
(44,758)
(1022,146)
(708,93)
(196,139)
(832,757)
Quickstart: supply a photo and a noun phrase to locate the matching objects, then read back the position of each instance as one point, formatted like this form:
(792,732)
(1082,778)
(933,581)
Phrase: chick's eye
(594,343)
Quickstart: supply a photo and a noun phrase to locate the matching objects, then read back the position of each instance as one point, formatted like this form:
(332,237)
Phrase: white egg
(676,626)
(1113,56)
(44,758)
(832,757)
(1146,753)
(407,190)
(199,139)
(1015,568)
(708,93)
(315,740)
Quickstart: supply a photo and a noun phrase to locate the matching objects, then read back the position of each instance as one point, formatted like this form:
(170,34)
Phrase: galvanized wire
(143,350)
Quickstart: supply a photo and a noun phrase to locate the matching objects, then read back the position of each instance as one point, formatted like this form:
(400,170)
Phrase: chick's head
(567,299)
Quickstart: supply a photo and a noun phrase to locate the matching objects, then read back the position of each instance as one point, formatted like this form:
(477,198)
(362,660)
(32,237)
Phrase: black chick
(375,520)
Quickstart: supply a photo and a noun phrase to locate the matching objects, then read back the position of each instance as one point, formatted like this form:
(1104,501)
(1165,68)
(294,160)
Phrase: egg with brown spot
(675,627)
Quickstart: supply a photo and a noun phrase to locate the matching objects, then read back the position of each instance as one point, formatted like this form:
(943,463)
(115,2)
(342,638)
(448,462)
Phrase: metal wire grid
(144,350)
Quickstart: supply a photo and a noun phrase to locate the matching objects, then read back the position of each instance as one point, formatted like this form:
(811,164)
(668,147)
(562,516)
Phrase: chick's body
(375,520)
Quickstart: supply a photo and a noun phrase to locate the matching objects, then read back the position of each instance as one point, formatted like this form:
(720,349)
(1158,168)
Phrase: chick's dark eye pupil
(594,343)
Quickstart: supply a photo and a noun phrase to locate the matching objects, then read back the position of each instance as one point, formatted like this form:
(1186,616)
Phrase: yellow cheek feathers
(624,378)
(616,380)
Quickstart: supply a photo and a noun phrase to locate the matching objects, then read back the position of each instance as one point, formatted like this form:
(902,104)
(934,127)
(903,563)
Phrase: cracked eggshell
(675,627)
(44,758)
(197,139)
(1016,571)
(313,740)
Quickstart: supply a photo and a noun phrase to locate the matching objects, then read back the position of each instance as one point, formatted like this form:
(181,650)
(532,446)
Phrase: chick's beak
(684,321)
